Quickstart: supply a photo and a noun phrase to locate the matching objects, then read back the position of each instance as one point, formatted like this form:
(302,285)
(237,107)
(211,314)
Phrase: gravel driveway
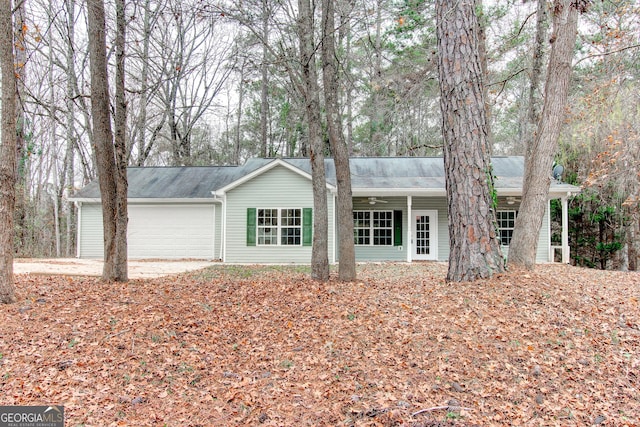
(138,269)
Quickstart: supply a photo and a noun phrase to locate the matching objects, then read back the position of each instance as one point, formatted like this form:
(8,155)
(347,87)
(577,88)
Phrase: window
(506,222)
(373,228)
(279,226)
(267,226)
(291,230)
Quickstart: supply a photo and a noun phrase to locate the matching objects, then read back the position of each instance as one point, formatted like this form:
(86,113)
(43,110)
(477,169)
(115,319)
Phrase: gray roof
(366,172)
(170,182)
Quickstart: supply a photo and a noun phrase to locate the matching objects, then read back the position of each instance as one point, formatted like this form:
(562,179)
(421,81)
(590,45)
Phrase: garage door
(171,231)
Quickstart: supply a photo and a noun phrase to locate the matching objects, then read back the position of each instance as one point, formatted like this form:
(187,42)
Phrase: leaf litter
(256,345)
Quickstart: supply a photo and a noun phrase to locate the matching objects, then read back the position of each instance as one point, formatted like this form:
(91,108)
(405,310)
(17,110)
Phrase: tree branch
(595,55)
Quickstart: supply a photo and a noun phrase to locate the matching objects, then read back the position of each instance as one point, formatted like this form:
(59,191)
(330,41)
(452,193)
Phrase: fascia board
(150,200)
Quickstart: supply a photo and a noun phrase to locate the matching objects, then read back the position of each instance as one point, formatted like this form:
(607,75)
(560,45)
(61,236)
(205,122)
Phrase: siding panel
(276,188)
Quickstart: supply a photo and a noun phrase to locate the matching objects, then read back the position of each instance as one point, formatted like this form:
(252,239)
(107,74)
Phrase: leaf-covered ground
(232,346)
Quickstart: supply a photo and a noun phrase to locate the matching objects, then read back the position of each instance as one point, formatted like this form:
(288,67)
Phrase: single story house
(262,211)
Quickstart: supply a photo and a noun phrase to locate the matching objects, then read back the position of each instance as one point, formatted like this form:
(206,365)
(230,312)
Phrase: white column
(79,229)
(565,230)
(408,242)
(332,260)
(223,244)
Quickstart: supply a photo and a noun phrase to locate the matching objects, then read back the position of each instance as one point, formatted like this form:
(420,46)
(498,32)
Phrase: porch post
(565,230)
(408,241)
(78,229)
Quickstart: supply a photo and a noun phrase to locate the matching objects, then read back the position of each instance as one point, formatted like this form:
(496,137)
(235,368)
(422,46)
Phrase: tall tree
(71,140)
(311,91)
(264,83)
(7,154)
(22,213)
(347,258)
(121,153)
(474,245)
(540,154)
(103,144)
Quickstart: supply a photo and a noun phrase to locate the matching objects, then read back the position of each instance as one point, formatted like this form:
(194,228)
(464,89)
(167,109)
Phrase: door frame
(433,237)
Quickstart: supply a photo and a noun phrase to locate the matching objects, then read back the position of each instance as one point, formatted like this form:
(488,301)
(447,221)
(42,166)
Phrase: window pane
(267,226)
(291,232)
(506,222)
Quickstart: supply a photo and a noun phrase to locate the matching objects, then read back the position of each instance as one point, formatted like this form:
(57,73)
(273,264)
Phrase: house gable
(277,188)
(260,171)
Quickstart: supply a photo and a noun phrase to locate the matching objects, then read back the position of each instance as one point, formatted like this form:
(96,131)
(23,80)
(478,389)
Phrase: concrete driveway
(138,269)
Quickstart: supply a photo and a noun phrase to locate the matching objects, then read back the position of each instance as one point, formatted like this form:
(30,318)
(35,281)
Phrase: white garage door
(171,231)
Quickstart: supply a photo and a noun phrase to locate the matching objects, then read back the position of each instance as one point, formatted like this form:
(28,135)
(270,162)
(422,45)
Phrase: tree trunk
(264,93)
(121,157)
(347,259)
(70,134)
(539,158)
(22,214)
(103,137)
(144,147)
(533,107)
(319,250)
(7,155)
(474,246)
(238,137)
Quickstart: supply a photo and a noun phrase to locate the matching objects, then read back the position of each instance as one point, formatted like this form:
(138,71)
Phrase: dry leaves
(236,345)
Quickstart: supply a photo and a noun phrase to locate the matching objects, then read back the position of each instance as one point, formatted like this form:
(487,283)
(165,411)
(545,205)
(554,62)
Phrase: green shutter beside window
(397,228)
(307,226)
(251,226)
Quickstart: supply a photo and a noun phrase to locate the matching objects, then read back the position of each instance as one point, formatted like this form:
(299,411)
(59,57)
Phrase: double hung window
(506,223)
(279,226)
(373,228)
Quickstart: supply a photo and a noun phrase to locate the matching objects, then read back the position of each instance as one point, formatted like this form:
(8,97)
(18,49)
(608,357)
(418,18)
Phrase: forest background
(218,82)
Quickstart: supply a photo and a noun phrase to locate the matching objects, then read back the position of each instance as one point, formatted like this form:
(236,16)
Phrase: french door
(425,235)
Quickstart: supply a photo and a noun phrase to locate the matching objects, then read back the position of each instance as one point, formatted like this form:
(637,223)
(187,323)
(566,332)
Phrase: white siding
(544,239)
(276,188)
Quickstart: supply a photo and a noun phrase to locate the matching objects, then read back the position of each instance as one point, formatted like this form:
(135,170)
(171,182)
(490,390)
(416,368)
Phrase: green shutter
(251,226)
(397,228)
(307,226)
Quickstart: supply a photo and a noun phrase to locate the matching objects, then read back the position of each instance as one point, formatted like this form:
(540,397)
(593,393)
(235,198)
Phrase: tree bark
(121,152)
(319,250)
(7,155)
(474,246)
(103,137)
(347,266)
(70,134)
(540,154)
(264,90)
(535,97)
(23,215)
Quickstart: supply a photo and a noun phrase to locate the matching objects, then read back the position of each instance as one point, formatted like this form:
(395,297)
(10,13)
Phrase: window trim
(372,229)
(501,228)
(280,226)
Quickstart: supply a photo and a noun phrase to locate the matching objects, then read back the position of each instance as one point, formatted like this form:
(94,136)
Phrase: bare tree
(474,246)
(71,140)
(541,151)
(121,153)
(104,145)
(7,155)
(347,267)
(311,92)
